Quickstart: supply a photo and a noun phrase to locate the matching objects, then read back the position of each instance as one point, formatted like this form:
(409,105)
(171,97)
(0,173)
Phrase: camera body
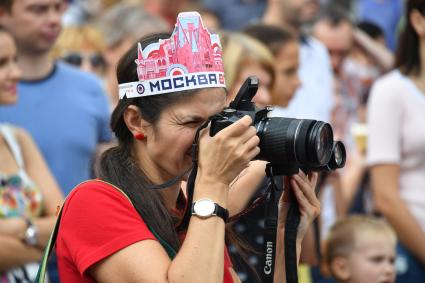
(284,142)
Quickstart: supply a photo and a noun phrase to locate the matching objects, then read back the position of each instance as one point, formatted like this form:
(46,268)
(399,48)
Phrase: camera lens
(286,143)
(338,156)
(300,141)
(320,143)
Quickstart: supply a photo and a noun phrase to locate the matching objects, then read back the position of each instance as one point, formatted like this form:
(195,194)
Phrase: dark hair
(4,30)
(371,29)
(335,15)
(118,166)
(272,36)
(408,59)
(6,4)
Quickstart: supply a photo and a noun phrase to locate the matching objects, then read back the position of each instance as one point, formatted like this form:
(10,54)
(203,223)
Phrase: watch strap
(218,211)
(28,222)
(221,212)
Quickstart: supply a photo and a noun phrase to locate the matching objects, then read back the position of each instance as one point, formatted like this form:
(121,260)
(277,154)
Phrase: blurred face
(169,141)
(114,53)
(91,7)
(211,21)
(166,8)
(298,12)
(337,39)
(373,259)
(263,96)
(88,60)
(35,24)
(9,72)
(287,80)
(172,6)
(309,10)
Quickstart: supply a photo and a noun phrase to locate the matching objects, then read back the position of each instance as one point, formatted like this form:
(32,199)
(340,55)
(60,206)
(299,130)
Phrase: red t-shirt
(97,221)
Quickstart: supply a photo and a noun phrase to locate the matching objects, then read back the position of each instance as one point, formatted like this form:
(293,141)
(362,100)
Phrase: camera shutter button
(229,112)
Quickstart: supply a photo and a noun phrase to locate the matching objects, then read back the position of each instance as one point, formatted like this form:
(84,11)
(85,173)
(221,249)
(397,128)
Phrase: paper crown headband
(189,59)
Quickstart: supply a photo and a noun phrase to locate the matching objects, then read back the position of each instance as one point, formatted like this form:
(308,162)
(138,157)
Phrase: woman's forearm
(15,227)
(407,228)
(379,53)
(385,179)
(280,268)
(14,253)
(245,186)
(45,226)
(201,257)
(309,208)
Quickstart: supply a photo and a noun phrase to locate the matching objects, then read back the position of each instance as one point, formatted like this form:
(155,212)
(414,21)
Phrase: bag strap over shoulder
(8,133)
(52,240)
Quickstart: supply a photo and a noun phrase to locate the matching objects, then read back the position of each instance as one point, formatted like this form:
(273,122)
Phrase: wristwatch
(205,208)
(31,234)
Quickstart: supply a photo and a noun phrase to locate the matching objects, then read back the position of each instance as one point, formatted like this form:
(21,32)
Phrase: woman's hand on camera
(225,155)
(303,187)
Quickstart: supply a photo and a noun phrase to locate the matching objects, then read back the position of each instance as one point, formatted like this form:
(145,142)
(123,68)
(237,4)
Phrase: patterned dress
(19,197)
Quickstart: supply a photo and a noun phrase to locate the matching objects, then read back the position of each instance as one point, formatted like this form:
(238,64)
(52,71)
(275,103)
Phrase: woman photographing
(169,87)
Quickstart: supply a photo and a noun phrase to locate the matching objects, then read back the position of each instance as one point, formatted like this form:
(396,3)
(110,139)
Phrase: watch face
(204,207)
(31,236)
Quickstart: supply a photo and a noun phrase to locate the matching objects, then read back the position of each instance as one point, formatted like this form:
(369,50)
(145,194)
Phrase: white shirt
(396,127)
(314,99)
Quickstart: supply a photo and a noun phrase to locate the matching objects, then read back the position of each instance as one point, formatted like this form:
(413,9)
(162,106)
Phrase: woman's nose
(15,72)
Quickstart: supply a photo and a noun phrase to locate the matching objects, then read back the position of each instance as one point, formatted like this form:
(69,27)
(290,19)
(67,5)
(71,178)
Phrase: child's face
(372,259)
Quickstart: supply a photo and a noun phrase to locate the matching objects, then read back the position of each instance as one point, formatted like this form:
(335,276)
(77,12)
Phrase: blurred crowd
(356,64)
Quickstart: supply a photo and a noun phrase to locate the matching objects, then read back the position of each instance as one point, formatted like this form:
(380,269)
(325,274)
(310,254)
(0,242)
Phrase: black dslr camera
(306,144)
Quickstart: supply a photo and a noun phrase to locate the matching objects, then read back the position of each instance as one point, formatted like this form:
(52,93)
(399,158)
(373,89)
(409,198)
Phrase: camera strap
(169,183)
(270,221)
(291,229)
(270,227)
(190,186)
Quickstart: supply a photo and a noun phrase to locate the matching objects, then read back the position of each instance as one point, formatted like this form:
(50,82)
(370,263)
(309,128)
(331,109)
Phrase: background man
(64,109)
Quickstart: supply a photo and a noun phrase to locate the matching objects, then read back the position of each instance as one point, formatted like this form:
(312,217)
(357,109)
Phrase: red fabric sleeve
(97,221)
(227,265)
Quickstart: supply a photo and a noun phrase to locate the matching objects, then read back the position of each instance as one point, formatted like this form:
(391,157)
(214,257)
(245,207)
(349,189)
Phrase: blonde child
(245,56)
(361,249)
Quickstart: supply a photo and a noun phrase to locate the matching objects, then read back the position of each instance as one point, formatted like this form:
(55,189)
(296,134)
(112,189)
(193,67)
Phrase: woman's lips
(12,89)
(51,36)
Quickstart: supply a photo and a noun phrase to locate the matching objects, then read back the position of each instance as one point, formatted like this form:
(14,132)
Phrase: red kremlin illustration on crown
(190,59)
